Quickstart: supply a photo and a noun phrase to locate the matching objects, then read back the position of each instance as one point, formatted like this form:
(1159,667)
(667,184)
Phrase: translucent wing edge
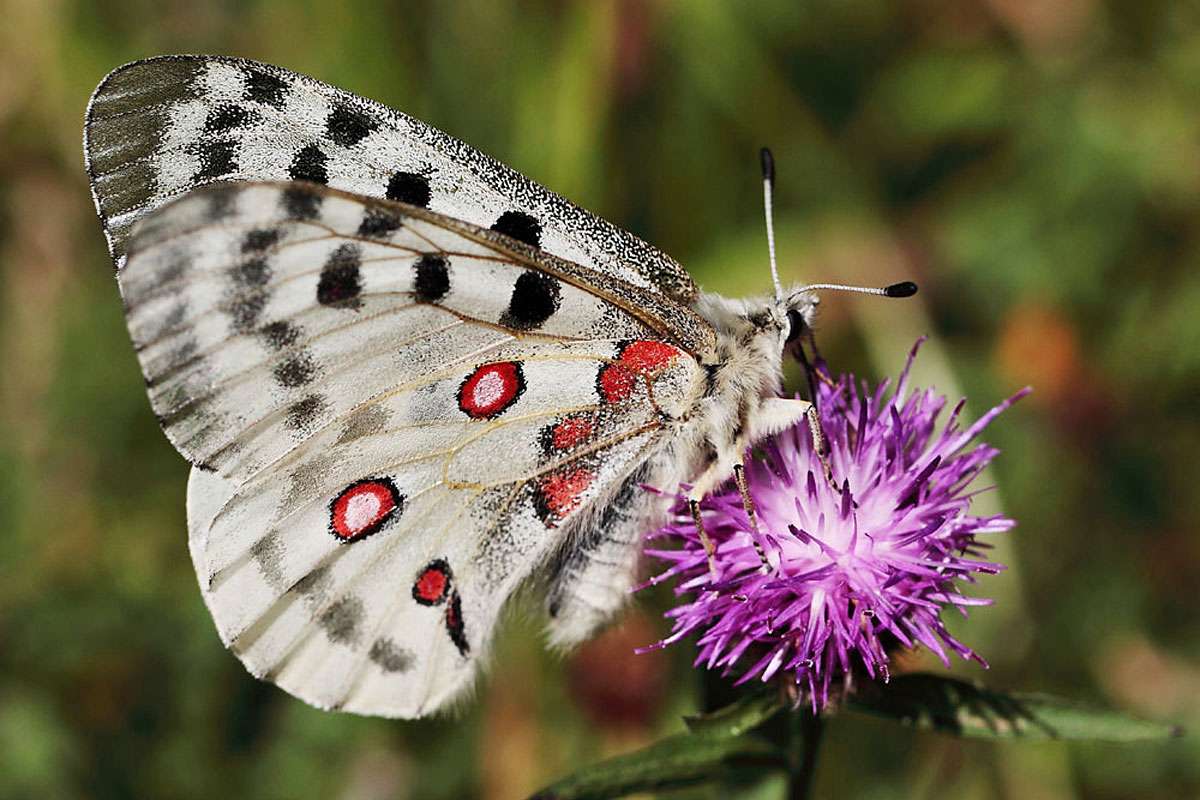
(629,248)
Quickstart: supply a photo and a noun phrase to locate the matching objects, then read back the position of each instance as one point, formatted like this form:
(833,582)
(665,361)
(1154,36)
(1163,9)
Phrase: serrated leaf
(738,717)
(959,708)
(678,760)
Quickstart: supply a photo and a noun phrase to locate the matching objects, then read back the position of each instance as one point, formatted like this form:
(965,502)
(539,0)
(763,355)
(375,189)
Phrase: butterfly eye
(795,326)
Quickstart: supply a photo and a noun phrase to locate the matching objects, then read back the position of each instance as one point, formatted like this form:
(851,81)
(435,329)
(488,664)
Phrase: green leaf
(714,746)
(676,761)
(738,717)
(959,708)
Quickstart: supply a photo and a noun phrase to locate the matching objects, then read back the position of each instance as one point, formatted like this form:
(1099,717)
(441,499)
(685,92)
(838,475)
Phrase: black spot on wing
(177,266)
(227,117)
(306,480)
(409,187)
(455,625)
(314,583)
(260,239)
(262,87)
(519,226)
(301,203)
(366,421)
(245,307)
(296,371)
(389,656)
(379,223)
(341,281)
(432,280)
(280,335)
(218,158)
(348,126)
(253,272)
(534,300)
(268,554)
(342,621)
(303,415)
(309,165)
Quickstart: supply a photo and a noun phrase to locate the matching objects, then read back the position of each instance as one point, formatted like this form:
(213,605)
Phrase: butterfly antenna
(768,173)
(902,289)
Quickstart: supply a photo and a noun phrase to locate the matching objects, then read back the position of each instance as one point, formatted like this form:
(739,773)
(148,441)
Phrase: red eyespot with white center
(491,389)
(560,492)
(363,508)
(432,585)
(637,361)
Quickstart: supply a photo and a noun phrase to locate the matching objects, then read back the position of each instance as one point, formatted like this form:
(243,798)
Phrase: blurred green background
(1035,166)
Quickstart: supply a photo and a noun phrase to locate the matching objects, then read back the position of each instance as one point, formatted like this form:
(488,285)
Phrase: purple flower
(856,566)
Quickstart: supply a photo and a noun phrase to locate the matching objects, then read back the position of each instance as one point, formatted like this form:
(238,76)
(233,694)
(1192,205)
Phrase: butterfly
(409,380)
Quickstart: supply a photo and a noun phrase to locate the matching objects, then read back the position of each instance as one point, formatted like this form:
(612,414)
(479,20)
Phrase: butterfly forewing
(262,312)
(156,129)
(401,417)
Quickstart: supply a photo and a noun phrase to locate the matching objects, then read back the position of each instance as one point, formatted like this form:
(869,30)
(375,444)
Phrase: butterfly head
(766,327)
(800,305)
(799,309)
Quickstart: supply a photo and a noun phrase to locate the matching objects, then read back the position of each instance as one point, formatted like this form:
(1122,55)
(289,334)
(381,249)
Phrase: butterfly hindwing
(398,418)
(312,593)
(158,128)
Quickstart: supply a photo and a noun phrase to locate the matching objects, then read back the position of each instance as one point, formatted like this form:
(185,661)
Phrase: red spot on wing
(571,431)
(648,356)
(491,389)
(363,508)
(638,360)
(615,382)
(432,583)
(560,492)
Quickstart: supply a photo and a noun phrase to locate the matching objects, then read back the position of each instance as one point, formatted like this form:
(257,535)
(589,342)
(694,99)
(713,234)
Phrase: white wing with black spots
(263,312)
(366,570)
(158,128)
(397,419)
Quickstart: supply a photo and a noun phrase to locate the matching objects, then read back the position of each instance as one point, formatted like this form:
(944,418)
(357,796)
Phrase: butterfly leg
(739,476)
(819,444)
(699,490)
(709,549)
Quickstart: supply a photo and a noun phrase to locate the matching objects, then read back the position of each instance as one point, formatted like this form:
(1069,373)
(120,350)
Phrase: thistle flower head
(854,565)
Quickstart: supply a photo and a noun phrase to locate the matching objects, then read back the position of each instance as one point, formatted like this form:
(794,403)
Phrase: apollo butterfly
(409,379)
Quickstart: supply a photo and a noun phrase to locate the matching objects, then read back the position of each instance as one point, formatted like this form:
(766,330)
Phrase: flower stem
(805,740)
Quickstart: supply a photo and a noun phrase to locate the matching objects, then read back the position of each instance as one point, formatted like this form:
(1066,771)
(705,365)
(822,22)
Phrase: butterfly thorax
(741,402)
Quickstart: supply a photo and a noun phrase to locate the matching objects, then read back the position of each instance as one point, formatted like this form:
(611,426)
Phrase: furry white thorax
(742,403)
